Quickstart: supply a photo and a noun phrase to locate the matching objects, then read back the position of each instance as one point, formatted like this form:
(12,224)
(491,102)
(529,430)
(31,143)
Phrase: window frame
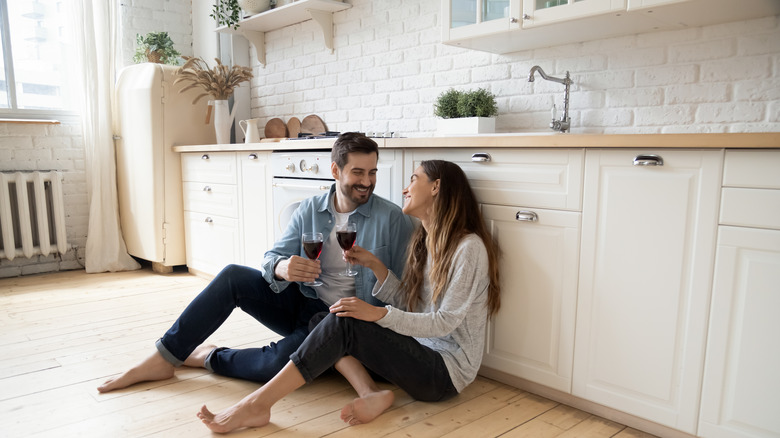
(15,113)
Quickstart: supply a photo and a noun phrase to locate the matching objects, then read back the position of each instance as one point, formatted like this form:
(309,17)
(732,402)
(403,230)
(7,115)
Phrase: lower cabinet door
(213,242)
(532,336)
(741,392)
(649,222)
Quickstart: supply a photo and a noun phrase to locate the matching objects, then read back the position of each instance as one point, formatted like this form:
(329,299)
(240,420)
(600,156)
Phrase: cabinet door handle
(648,160)
(526,216)
(209,220)
(206,188)
(252,156)
(480,157)
(204,157)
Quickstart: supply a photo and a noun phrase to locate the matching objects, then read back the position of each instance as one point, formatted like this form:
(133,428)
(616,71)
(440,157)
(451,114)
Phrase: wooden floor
(62,334)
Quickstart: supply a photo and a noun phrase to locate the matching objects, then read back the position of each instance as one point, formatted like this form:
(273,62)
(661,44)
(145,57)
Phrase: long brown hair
(454,214)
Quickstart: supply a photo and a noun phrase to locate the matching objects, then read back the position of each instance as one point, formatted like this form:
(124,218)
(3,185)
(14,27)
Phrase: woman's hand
(354,307)
(364,257)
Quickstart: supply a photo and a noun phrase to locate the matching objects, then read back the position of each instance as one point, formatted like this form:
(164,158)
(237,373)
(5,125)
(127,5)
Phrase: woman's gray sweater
(455,326)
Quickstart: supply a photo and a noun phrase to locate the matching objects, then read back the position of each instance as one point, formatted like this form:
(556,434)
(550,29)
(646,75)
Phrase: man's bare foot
(198,357)
(364,409)
(153,367)
(240,415)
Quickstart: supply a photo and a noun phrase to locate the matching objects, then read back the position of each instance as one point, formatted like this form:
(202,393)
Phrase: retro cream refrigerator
(152,117)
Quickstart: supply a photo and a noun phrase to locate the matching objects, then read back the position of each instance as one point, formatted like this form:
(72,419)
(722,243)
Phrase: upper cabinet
(321,11)
(503,26)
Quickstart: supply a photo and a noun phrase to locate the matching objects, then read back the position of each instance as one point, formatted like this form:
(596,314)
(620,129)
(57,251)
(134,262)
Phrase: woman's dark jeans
(286,313)
(418,370)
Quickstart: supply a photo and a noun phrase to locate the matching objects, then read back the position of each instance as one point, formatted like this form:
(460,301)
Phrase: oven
(297,175)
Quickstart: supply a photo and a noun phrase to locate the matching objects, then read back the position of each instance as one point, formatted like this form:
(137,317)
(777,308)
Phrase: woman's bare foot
(364,409)
(153,367)
(240,415)
(198,357)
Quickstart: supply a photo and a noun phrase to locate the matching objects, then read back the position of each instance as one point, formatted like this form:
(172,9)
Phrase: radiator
(32,214)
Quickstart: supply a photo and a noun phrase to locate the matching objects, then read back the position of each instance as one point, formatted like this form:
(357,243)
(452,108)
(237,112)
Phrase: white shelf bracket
(258,40)
(325,20)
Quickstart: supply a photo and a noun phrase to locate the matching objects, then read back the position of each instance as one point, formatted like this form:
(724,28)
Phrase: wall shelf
(254,28)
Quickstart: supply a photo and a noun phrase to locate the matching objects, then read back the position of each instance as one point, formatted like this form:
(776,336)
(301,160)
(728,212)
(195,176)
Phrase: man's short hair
(349,142)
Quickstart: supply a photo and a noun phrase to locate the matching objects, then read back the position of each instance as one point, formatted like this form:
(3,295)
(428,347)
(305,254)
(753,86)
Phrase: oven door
(288,194)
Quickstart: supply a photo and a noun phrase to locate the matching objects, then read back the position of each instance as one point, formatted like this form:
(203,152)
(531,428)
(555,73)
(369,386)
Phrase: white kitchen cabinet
(211,210)
(648,244)
(390,175)
(741,386)
(532,336)
(540,178)
(226,201)
(256,215)
(532,24)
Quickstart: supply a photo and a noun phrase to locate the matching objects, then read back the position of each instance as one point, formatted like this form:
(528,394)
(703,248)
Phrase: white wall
(389,66)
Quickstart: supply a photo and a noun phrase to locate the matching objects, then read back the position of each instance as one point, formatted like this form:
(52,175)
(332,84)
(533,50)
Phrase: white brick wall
(61,147)
(389,66)
(50,147)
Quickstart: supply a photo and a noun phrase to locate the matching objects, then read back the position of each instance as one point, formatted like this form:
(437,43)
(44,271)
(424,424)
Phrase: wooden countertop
(762,140)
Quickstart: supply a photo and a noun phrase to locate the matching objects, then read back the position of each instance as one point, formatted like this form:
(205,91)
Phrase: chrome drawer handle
(526,216)
(205,157)
(209,220)
(480,157)
(648,160)
(207,188)
(252,156)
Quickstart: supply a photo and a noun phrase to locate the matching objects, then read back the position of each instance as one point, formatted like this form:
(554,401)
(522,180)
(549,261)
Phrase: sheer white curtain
(95,41)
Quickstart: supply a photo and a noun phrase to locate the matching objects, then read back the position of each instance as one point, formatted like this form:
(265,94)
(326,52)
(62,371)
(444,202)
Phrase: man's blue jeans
(286,313)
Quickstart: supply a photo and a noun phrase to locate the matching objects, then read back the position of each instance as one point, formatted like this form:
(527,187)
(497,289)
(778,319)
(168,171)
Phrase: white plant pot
(252,7)
(466,125)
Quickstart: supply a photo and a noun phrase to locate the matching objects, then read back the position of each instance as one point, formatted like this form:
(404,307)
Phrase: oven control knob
(306,168)
(290,167)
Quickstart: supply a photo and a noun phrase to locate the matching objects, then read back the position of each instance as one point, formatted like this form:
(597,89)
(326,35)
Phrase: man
(273,295)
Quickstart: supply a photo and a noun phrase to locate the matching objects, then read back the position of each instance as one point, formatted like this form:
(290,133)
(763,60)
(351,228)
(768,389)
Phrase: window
(37,52)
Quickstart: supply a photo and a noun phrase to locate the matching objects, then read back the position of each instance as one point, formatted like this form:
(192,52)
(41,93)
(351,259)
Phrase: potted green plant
(466,112)
(155,47)
(226,13)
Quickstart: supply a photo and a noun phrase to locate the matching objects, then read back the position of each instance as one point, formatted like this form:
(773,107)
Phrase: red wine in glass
(346,235)
(312,247)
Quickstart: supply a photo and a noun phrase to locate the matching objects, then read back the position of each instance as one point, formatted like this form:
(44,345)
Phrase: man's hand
(297,268)
(354,307)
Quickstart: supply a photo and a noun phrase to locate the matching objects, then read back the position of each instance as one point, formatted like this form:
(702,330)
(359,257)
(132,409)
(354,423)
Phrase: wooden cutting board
(275,128)
(293,127)
(313,124)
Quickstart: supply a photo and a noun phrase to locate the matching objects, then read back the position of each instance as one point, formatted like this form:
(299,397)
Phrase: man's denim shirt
(382,227)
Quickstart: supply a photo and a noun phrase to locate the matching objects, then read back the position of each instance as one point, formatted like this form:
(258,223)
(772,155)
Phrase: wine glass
(312,246)
(345,235)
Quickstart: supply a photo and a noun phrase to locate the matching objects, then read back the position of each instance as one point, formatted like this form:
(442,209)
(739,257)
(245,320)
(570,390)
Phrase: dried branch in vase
(218,82)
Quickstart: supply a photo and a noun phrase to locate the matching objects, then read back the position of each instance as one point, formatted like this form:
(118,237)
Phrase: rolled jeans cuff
(167,355)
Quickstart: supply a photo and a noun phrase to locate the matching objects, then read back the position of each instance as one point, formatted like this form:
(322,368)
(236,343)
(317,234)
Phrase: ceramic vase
(223,121)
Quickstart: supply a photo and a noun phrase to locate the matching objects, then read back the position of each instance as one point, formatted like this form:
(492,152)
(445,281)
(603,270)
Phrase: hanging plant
(226,13)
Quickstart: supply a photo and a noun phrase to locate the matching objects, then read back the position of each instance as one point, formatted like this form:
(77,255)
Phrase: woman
(428,340)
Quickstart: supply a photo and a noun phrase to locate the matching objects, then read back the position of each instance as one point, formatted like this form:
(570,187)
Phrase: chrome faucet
(564,122)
